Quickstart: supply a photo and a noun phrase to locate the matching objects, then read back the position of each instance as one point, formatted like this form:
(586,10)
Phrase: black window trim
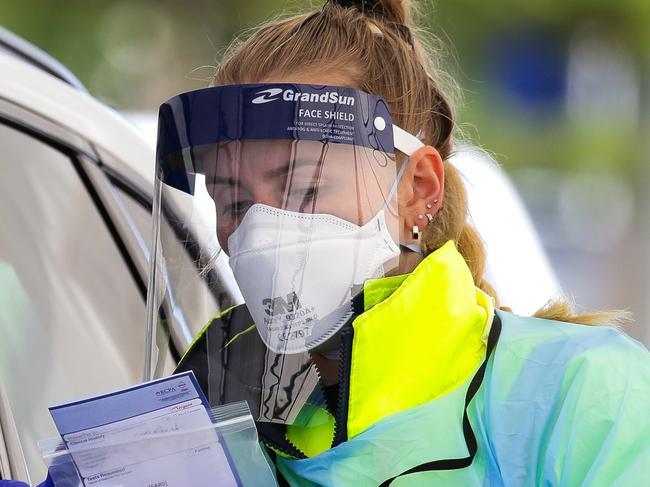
(73,154)
(182,233)
(122,182)
(127,186)
(131,189)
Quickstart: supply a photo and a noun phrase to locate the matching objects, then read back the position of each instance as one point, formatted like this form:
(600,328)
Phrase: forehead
(260,151)
(260,156)
(264,164)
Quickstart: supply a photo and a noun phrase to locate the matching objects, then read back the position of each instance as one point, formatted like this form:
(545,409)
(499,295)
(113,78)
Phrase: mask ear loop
(407,144)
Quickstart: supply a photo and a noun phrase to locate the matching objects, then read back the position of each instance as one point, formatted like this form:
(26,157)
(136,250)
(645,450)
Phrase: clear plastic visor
(285,213)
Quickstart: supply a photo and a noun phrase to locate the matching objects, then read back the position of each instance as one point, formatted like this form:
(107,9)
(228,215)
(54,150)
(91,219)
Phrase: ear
(422,184)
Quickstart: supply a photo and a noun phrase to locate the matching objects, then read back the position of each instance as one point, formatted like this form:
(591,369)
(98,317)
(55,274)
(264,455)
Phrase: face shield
(287,194)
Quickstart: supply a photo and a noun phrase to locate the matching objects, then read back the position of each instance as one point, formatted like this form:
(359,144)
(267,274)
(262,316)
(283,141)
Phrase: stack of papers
(157,434)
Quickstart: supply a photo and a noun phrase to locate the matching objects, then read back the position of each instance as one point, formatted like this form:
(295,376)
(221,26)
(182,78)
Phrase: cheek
(356,203)
(223,232)
(340,206)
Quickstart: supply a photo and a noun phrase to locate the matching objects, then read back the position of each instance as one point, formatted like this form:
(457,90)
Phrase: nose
(263,193)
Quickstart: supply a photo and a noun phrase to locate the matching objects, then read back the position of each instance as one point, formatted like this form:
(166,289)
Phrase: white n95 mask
(298,272)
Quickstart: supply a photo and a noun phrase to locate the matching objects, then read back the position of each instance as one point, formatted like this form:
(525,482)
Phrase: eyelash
(241,207)
(310,192)
(238,207)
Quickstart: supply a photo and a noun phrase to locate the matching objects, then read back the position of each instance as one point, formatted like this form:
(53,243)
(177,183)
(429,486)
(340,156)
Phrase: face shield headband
(327,114)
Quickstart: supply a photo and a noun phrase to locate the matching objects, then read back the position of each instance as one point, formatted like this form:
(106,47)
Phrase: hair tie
(372,8)
(363,6)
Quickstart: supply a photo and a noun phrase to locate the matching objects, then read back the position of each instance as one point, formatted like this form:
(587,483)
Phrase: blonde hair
(375,46)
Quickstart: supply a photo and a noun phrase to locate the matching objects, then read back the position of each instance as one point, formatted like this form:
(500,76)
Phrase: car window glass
(71,316)
(192,310)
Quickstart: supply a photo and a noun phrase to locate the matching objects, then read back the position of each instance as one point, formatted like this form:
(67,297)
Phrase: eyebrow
(283,170)
(270,174)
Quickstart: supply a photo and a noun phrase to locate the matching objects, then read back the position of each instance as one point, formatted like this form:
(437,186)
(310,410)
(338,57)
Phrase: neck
(408,261)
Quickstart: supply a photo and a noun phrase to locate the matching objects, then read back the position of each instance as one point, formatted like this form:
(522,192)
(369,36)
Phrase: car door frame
(74,147)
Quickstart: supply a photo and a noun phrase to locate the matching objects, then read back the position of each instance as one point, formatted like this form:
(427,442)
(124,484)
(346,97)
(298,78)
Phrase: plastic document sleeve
(166,450)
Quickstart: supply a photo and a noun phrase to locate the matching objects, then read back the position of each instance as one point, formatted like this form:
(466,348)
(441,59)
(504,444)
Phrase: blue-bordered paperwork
(160,433)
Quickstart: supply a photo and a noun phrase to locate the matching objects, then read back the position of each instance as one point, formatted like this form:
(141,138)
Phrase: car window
(202,288)
(193,305)
(71,315)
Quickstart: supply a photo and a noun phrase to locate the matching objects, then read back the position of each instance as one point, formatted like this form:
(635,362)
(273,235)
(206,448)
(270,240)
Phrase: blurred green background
(557,91)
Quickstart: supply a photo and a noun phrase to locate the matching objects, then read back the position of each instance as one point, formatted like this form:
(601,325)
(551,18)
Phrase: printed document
(157,434)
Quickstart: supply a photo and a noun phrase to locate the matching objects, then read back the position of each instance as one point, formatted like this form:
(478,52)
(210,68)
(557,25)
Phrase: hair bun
(397,11)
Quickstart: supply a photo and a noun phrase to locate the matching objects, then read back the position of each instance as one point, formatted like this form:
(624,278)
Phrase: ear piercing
(429,215)
(416,229)
(430,205)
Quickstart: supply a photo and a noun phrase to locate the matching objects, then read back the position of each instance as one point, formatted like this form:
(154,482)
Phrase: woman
(417,378)
(371,350)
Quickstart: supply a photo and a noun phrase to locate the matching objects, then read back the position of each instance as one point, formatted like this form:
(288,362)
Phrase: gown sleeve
(599,433)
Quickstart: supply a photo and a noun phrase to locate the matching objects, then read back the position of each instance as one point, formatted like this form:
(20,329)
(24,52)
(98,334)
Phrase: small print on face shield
(301,181)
